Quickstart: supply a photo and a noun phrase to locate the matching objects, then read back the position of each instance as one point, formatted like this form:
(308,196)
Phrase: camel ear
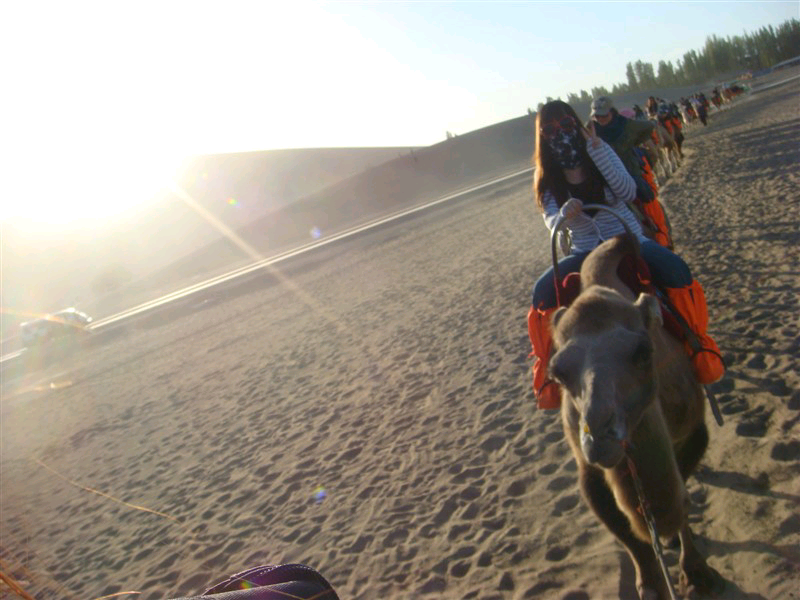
(650,310)
(557,316)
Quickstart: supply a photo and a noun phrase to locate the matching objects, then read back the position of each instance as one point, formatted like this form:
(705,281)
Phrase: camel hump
(597,310)
(602,266)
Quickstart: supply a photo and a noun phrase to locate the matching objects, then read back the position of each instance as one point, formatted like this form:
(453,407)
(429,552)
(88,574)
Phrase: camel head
(603,359)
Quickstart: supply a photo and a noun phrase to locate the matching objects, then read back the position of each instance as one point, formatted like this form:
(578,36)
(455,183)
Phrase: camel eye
(563,363)
(643,352)
(557,372)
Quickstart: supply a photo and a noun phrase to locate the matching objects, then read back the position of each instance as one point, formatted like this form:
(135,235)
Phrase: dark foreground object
(272,582)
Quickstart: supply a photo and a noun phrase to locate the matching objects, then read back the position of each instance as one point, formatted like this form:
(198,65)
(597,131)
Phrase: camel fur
(668,152)
(624,378)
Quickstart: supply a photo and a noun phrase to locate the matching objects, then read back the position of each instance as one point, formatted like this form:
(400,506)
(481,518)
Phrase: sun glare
(86,189)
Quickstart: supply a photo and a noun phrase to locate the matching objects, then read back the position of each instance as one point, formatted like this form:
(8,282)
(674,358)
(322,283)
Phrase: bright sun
(85,188)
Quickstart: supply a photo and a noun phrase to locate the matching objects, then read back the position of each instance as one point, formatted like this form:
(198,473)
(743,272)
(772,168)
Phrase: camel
(668,148)
(625,379)
(656,160)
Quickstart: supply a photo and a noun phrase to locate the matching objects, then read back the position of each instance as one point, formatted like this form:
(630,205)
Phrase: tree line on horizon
(748,52)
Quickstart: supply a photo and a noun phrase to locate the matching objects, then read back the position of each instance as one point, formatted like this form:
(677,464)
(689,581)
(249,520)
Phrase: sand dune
(392,374)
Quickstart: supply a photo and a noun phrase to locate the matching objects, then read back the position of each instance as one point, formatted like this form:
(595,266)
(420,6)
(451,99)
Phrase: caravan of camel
(664,152)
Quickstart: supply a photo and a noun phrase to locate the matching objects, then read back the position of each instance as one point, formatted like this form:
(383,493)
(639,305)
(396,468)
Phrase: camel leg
(695,572)
(649,580)
(694,569)
(691,450)
(664,164)
(671,160)
(658,169)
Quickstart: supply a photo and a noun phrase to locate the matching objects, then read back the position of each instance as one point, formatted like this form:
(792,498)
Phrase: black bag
(271,582)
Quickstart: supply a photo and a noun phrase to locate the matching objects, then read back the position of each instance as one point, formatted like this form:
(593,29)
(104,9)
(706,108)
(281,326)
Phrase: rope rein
(644,507)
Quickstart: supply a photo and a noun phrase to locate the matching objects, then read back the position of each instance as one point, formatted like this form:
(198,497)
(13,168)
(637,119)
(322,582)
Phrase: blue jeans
(666,268)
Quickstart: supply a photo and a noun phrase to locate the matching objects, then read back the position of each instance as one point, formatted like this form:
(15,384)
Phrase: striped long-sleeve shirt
(588,232)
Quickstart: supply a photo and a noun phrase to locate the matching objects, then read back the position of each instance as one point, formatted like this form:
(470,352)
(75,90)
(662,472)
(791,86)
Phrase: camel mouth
(604,451)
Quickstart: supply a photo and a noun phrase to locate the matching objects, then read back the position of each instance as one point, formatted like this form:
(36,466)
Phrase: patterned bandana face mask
(566,146)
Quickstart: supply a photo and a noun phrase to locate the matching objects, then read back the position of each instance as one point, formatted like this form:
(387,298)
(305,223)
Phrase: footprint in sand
(470,512)
(522,450)
(506,582)
(358,546)
(538,590)
(460,569)
(548,469)
(494,524)
(754,423)
(471,493)
(561,483)
(473,473)
(553,437)
(576,595)
(435,584)
(516,488)
(778,387)
(731,405)
(557,553)
(565,504)
(493,443)
(464,552)
(790,525)
(786,451)
(309,535)
(448,508)
(396,536)
(458,531)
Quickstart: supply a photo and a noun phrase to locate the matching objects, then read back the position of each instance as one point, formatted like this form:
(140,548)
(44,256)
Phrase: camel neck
(651,445)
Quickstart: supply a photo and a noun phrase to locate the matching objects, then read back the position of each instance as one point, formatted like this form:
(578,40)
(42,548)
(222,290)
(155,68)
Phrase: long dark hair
(548,174)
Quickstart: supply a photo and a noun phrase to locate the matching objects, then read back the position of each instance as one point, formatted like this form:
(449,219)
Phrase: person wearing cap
(625,135)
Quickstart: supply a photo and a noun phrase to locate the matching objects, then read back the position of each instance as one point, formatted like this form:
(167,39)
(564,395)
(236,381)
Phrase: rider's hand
(590,135)
(571,209)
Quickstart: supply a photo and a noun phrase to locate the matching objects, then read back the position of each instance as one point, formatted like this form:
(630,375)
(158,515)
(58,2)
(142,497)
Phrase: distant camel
(669,156)
(625,380)
(656,159)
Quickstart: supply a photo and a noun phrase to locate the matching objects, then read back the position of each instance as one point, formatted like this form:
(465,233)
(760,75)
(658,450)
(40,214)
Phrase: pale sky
(102,96)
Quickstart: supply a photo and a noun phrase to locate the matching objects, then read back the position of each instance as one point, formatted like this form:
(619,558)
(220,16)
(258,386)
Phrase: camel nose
(600,416)
(599,424)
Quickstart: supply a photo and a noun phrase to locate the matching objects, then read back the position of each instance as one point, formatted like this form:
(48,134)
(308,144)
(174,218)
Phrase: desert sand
(369,412)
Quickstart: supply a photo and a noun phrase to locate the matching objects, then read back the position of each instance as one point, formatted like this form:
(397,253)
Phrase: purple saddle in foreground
(271,582)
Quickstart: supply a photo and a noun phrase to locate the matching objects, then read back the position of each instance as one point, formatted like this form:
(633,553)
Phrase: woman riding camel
(575,167)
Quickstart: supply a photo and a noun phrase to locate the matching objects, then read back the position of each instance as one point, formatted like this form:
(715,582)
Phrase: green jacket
(623,135)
